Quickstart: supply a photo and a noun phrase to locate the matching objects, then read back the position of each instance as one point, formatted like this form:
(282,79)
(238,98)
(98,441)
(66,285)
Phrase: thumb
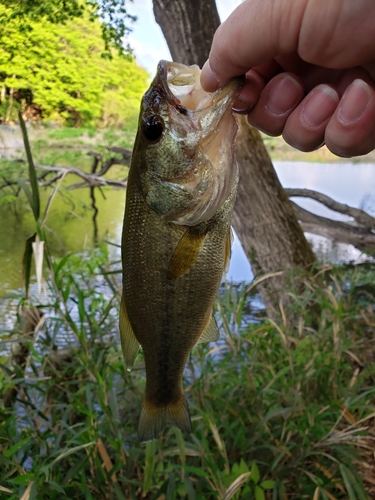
(255,32)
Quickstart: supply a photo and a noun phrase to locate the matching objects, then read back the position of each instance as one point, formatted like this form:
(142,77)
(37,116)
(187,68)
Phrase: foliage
(275,411)
(112,13)
(60,74)
(278,411)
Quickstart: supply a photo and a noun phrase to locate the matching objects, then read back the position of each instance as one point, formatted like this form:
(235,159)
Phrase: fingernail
(354,102)
(283,94)
(321,103)
(241,107)
(209,81)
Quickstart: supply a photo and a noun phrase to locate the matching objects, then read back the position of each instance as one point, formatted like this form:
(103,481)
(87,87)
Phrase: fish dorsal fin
(210,333)
(129,343)
(185,254)
(228,250)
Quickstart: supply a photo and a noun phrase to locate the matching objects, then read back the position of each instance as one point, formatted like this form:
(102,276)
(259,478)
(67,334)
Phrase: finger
(240,42)
(276,102)
(306,125)
(249,93)
(351,130)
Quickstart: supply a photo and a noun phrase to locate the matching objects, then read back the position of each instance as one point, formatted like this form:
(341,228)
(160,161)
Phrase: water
(72,228)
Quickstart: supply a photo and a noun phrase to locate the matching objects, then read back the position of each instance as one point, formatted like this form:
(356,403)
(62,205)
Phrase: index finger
(255,32)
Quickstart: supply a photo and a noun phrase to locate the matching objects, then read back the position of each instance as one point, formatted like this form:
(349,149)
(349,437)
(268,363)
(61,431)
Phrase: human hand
(310,70)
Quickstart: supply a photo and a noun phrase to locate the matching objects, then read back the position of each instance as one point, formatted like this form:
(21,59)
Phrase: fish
(176,239)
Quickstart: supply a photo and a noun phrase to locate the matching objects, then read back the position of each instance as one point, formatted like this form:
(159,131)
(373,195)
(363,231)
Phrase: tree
(264,218)
(56,71)
(112,14)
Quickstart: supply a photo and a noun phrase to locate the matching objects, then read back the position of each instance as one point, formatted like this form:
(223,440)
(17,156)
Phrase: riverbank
(59,138)
(277,411)
(279,150)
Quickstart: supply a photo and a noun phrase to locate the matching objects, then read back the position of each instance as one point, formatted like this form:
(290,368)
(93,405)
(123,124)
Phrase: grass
(277,412)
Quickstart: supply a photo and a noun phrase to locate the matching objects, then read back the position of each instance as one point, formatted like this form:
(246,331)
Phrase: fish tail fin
(153,419)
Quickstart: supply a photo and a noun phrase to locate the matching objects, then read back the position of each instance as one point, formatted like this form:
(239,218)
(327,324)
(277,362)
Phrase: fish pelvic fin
(185,254)
(210,333)
(129,343)
(154,419)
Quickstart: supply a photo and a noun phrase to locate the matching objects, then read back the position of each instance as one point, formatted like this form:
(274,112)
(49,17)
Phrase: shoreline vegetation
(54,137)
(280,409)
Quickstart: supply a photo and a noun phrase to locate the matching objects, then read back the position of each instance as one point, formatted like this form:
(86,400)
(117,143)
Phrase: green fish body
(176,235)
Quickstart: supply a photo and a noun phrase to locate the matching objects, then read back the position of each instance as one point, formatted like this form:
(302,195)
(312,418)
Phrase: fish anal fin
(228,250)
(129,343)
(154,419)
(210,333)
(185,254)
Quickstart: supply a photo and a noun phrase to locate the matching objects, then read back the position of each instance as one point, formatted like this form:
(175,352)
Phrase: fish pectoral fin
(153,419)
(210,333)
(228,250)
(129,343)
(185,254)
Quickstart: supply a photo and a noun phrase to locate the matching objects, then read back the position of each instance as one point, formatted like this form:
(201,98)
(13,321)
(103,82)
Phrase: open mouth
(182,87)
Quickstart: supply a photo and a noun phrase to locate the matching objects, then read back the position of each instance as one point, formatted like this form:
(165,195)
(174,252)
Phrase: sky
(147,39)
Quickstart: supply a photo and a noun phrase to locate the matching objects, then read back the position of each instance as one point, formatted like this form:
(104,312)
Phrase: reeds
(278,411)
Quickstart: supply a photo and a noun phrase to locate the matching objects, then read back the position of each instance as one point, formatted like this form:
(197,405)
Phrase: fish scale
(171,271)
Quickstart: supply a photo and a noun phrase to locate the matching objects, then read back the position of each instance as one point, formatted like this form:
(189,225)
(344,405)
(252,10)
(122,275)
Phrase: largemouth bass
(176,237)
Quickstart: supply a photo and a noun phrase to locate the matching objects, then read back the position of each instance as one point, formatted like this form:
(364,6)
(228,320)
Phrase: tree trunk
(264,218)
(188,27)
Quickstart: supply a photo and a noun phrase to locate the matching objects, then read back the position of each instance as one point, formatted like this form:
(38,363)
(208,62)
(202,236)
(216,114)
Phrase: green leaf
(27,259)
(189,488)
(35,205)
(259,493)
(70,451)
(149,465)
(347,481)
(23,479)
(13,449)
(56,486)
(268,484)
(195,470)
(181,444)
(358,488)
(255,476)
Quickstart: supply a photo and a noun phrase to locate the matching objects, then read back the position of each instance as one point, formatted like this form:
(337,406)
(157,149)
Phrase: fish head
(184,150)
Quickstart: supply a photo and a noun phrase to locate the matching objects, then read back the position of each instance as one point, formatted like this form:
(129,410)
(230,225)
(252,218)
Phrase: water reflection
(80,218)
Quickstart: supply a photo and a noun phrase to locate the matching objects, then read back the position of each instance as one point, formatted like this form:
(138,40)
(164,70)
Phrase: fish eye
(152,127)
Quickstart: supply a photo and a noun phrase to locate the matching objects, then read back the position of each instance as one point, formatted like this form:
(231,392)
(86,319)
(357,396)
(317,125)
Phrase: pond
(73,228)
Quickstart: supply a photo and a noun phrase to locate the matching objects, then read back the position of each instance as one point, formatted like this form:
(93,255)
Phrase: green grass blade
(347,481)
(35,205)
(27,259)
(181,444)
(149,465)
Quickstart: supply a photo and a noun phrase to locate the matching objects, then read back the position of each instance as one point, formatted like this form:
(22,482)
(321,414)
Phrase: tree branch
(90,180)
(362,218)
(361,238)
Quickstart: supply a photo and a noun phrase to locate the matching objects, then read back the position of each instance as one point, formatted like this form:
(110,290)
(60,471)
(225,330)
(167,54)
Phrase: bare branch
(90,180)
(362,218)
(361,238)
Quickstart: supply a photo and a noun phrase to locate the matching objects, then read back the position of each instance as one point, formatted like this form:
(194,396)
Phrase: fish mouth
(182,89)
(204,127)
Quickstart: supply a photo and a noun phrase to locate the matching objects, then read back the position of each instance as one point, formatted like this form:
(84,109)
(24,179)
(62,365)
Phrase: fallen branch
(360,233)
(92,179)
(362,218)
(360,237)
